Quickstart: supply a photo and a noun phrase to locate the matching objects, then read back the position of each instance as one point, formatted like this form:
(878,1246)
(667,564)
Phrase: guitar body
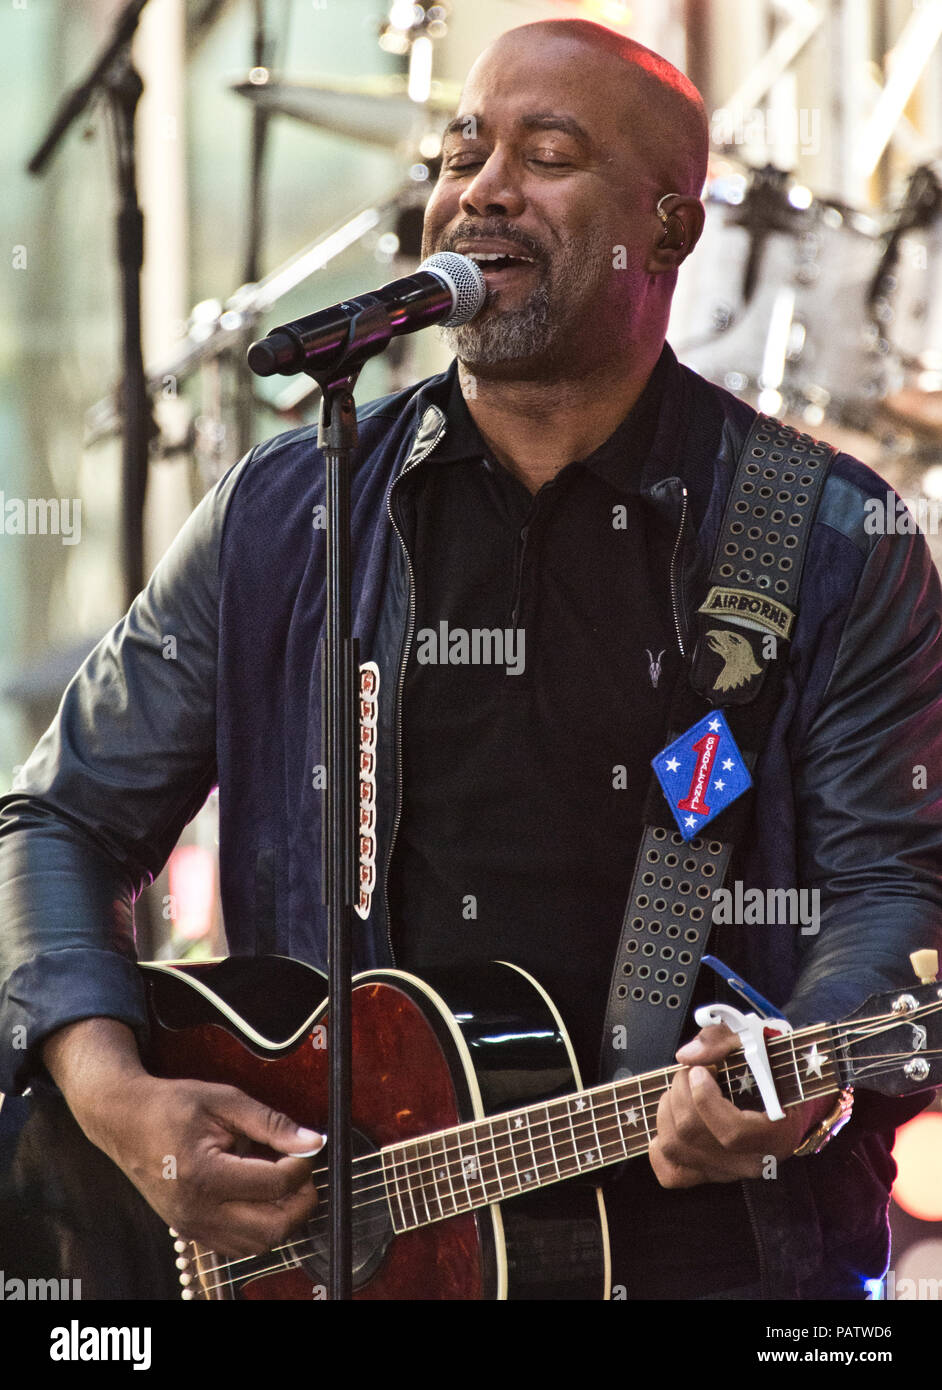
(426,1057)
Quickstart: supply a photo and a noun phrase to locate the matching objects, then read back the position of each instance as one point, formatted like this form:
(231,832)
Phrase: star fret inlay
(815,1060)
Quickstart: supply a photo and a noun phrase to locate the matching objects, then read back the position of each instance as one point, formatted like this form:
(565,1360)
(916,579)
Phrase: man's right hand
(181,1142)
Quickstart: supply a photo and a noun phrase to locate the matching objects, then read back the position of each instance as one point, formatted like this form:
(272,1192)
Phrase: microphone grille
(465,281)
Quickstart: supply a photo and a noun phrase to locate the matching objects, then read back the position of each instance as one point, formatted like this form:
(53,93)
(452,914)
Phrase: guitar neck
(484,1161)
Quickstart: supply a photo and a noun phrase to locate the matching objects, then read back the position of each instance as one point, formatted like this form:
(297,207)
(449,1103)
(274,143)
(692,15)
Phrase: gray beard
(505,337)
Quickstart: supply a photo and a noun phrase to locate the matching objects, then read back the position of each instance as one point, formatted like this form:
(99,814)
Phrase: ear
(675,237)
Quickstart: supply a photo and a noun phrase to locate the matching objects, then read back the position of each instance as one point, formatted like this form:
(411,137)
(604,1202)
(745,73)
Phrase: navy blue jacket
(147,727)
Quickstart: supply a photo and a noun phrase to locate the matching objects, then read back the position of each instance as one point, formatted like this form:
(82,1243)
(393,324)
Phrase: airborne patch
(749,609)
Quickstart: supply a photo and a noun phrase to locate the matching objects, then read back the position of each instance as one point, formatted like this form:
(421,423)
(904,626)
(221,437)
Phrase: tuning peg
(926,966)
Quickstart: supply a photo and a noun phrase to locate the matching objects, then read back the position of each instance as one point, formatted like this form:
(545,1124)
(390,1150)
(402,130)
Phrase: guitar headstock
(894,1042)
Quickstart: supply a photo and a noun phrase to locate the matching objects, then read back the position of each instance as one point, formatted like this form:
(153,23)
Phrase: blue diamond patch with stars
(702,773)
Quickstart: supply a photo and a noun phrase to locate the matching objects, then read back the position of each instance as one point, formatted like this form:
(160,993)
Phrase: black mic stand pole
(337,436)
(114,74)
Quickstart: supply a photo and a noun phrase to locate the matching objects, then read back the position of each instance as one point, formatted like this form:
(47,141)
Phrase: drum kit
(825,316)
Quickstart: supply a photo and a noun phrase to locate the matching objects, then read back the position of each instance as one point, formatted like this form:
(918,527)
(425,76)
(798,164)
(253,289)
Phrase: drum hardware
(377,110)
(773,309)
(216,330)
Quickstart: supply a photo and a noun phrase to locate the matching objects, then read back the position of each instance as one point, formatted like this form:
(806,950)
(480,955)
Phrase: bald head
(554,173)
(663,113)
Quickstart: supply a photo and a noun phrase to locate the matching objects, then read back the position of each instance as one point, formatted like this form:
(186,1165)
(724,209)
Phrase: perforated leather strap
(743,629)
(752,600)
(666,926)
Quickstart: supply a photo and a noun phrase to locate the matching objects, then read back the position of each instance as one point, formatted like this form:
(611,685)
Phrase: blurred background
(282,154)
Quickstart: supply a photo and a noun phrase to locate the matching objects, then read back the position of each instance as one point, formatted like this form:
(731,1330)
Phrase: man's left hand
(702,1137)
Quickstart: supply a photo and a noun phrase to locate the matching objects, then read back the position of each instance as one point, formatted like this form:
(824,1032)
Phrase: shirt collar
(620,460)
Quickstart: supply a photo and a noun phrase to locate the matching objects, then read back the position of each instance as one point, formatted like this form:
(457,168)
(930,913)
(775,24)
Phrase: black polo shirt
(527,751)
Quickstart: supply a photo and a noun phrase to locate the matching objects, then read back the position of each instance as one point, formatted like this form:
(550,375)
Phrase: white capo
(751,1030)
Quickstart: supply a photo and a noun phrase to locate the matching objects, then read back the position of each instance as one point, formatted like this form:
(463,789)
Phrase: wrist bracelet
(832,1123)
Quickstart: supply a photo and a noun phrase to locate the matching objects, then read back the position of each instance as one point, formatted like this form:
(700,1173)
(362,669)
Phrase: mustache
(493,231)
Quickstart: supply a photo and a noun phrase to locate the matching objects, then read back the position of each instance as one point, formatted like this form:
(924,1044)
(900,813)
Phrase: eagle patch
(735,651)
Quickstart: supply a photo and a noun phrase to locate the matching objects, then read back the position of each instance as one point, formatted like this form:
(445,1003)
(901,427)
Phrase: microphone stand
(369,334)
(337,437)
(114,74)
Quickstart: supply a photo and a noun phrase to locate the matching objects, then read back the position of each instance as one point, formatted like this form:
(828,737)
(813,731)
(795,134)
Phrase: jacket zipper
(764,1287)
(397,715)
(674,601)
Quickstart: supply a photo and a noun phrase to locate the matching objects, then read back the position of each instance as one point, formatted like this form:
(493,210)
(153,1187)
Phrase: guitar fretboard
(485,1161)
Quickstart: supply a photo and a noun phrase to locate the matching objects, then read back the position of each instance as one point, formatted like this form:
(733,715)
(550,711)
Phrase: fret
(744,1090)
(511,1150)
(551,1140)
(477,1134)
(801,1089)
(577,1110)
(417,1182)
(726,1082)
(493,1161)
(527,1129)
(844,1068)
(430,1181)
(567,1160)
(522,1152)
(470,1171)
(597,1159)
(575,1142)
(613,1146)
(400,1223)
(442,1169)
(632,1114)
(502,1145)
(412,1212)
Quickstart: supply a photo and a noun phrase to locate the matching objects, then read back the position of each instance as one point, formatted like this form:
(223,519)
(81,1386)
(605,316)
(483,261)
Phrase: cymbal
(374,109)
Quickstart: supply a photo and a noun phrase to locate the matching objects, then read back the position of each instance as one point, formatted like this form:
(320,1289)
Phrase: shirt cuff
(57,988)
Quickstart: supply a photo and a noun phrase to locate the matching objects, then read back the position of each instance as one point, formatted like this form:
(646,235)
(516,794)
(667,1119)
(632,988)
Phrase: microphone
(447,289)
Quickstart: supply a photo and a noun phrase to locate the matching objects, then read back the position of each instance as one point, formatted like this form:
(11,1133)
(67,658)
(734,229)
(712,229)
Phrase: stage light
(611,12)
(918,1154)
(192,873)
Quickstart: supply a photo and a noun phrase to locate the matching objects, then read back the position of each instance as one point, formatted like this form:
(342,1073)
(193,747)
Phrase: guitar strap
(744,627)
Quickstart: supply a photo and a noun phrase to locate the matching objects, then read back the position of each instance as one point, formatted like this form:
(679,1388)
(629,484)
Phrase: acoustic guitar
(475,1145)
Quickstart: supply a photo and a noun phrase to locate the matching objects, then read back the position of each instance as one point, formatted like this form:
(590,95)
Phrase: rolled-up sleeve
(96,810)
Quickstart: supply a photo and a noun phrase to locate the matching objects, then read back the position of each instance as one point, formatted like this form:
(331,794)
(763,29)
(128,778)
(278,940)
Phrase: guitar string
(452,1158)
(606,1098)
(293,1252)
(298,1248)
(500,1148)
(493,1158)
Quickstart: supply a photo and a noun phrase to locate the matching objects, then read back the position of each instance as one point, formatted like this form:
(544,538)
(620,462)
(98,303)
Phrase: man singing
(564,481)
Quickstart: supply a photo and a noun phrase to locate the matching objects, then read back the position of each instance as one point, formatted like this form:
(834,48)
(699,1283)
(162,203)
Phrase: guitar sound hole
(372,1227)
